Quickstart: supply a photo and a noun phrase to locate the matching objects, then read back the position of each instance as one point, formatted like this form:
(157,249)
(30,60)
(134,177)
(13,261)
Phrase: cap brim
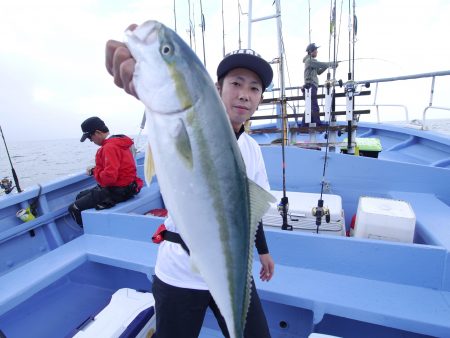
(256,64)
(84,137)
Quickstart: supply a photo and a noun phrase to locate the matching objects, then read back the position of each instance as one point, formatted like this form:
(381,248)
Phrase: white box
(121,314)
(300,215)
(385,219)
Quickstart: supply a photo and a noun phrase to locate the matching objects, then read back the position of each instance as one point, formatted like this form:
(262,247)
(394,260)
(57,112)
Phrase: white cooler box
(300,213)
(385,219)
(130,313)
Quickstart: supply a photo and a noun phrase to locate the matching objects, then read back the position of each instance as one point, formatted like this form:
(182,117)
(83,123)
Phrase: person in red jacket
(114,171)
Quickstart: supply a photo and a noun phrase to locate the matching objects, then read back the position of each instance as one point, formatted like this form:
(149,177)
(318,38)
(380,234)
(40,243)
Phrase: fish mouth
(147,32)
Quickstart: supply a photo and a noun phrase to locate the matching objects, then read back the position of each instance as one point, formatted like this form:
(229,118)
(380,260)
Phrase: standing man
(181,295)
(313,68)
(114,171)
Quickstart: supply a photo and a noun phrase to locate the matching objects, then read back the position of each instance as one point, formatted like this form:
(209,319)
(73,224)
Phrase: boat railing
(425,111)
(431,75)
(295,96)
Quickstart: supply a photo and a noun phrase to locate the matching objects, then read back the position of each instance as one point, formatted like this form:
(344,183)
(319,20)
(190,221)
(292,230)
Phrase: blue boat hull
(53,281)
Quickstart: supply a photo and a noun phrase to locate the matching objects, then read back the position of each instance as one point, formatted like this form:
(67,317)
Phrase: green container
(366,146)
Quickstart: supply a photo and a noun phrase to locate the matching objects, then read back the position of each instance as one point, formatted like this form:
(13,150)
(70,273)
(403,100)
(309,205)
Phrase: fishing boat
(390,187)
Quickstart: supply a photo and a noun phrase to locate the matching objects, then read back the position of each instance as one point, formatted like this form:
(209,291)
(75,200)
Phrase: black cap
(311,47)
(249,59)
(90,125)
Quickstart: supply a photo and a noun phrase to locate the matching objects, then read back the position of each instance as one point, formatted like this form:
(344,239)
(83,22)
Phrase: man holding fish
(213,181)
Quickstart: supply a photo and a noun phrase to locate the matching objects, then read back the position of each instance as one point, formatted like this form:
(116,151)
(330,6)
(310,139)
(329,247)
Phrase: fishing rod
(202,25)
(190,24)
(357,59)
(223,32)
(284,204)
(350,86)
(16,180)
(239,24)
(321,211)
(175,15)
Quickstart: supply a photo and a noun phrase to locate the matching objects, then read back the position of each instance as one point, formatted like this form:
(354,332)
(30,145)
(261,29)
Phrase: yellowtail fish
(199,167)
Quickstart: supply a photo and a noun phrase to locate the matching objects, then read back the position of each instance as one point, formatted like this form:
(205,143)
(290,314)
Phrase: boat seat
(399,306)
(434,230)
(361,279)
(398,156)
(138,204)
(16,286)
(99,244)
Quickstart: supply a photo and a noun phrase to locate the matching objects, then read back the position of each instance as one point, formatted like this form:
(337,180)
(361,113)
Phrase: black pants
(315,117)
(180,312)
(100,198)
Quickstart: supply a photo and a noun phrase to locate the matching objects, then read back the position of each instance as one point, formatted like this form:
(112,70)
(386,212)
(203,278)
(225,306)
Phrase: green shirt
(313,68)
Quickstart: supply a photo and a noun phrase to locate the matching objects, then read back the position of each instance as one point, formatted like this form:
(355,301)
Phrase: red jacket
(114,163)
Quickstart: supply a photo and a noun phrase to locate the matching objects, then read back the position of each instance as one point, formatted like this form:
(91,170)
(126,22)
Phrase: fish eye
(166,49)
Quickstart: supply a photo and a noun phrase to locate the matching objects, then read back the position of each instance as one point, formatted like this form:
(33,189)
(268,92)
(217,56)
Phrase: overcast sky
(52,52)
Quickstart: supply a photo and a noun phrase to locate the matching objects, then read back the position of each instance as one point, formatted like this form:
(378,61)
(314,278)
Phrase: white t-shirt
(173,263)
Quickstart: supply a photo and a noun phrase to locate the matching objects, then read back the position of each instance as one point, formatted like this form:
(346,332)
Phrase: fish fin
(183,144)
(149,165)
(260,200)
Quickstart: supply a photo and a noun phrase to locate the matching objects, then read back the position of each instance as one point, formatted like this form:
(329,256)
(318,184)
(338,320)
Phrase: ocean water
(38,162)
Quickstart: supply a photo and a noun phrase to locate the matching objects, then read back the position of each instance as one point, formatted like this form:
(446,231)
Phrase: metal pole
(250,21)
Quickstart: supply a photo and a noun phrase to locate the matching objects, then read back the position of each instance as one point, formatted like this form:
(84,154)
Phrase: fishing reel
(7,185)
(320,211)
(280,207)
(353,88)
(350,88)
(283,208)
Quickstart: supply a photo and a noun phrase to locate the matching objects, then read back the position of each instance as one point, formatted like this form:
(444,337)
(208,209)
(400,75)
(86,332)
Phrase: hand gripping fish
(199,167)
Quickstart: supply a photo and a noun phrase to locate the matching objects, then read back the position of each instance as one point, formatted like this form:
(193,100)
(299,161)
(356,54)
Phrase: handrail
(424,114)
(406,77)
(297,98)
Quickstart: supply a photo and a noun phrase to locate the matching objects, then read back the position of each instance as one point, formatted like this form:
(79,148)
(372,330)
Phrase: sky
(52,72)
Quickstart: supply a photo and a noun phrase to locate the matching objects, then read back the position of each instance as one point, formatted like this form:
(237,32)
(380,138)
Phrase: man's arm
(322,66)
(267,263)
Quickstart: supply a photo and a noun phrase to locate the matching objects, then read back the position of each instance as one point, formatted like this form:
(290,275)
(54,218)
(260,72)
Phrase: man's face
(96,137)
(241,94)
(314,53)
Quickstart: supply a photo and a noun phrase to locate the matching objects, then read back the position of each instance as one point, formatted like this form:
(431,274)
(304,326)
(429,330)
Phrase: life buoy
(351,231)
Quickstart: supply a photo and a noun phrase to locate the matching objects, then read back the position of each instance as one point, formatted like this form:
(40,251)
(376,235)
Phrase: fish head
(162,71)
